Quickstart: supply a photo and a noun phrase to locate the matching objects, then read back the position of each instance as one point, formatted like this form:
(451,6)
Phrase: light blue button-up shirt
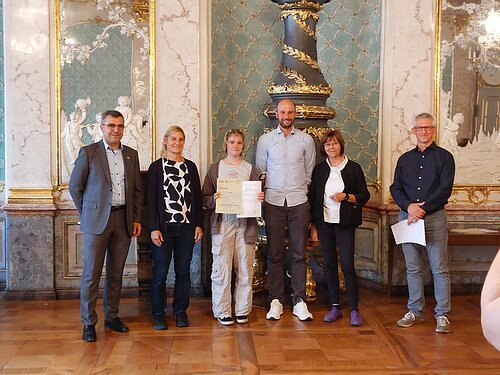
(289,163)
(117,173)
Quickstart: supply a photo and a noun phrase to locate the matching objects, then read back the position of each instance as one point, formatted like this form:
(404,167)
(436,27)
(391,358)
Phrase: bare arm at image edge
(490,304)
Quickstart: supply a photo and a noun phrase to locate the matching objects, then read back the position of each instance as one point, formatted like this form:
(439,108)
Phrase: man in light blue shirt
(287,155)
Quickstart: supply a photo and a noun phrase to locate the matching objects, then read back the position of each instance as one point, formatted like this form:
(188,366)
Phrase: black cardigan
(157,218)
(355,184)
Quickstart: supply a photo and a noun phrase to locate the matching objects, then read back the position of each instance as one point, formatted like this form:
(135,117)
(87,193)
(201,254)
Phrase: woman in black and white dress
(175,218)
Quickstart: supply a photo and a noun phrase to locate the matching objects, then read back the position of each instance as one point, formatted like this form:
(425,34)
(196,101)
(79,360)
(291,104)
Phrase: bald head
(285,113)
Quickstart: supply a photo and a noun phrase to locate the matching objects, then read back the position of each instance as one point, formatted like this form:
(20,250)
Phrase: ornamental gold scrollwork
(478,195)
(299,89)
(293,75)
(301,56)
(141,10)
(314,111)
(301,4)
(305,111)
(300,16)
(315,131)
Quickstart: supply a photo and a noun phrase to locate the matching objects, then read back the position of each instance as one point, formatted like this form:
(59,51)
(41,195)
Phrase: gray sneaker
(442,324)
(410,319)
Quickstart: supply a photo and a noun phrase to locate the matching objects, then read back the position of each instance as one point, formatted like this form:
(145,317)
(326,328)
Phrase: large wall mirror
(468,91)
(104,61)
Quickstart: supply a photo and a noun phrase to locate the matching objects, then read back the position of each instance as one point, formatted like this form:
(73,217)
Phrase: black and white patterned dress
(176,191)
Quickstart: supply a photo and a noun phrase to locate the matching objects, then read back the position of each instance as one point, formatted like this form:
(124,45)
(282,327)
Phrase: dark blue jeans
(179,240)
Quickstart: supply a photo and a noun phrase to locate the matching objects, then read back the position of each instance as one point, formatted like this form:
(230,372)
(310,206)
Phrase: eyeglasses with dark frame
(423,128)
(115,126)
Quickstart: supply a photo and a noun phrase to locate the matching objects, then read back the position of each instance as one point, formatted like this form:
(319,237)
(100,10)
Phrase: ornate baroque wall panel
(103,62)
(407,81)
(178,69)
(246,49)
(468,97)
(2,110)
(2,154)
(349,41)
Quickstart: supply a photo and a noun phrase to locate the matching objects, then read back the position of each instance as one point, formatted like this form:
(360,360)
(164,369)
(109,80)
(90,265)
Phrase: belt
(117,208)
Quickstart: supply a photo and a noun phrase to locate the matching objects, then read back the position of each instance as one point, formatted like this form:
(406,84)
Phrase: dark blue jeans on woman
(330,235)
(179,241)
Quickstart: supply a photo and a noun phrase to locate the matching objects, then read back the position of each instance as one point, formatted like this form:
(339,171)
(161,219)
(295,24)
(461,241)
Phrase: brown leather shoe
(89,334)
(116,325)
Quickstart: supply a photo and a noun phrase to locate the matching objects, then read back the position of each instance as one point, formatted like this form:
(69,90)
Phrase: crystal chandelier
(483,39)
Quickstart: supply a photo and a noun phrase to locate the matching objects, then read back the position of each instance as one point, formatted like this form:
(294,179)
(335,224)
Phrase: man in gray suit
(107,190)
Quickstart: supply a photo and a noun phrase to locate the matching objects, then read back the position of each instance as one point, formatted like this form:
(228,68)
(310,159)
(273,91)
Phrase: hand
(314,233)
(137,229)
(198,233)
(338,197)
(260,197)
(156,238)
(415,211)
(412,219)
(216,196)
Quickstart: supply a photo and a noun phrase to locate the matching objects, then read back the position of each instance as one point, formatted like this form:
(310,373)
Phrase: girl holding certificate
(338,192)
(233,238)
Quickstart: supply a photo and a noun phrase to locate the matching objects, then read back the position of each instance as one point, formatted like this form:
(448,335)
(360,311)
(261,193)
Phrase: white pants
(228,248)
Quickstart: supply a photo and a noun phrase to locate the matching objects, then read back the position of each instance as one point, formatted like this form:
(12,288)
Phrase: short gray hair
(424,115)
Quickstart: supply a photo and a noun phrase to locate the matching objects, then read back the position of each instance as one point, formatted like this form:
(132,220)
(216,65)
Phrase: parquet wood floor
(45,338)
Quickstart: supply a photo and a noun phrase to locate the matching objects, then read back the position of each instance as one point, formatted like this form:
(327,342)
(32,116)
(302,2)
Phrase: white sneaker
(275,311)
(300,311)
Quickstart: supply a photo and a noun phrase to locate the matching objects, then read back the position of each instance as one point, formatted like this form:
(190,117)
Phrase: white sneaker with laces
(275,311)
(300,311)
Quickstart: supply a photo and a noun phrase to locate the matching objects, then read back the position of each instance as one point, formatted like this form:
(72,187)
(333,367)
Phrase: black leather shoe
(89,334)
(181,320)
(116,325)
(159,322)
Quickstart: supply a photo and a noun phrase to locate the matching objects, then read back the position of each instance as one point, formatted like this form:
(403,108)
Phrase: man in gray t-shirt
(288,156)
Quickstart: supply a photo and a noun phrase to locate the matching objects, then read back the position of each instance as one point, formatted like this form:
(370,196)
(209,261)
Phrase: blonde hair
(233,132)
(171,130)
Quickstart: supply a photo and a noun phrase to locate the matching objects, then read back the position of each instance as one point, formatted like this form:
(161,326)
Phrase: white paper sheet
(250,204)
(404,232)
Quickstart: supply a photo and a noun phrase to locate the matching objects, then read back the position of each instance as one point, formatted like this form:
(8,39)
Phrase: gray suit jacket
(91,190)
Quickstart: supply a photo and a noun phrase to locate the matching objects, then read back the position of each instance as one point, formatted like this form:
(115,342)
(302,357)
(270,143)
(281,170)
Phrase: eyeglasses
(115,126)
(330,144)
(423,128)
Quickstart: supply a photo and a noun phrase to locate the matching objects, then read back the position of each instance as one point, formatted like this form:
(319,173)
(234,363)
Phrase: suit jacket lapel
(103,159)
(127,164)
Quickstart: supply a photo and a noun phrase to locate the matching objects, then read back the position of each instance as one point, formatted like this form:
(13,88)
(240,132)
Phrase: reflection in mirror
(104,48)
(469,89)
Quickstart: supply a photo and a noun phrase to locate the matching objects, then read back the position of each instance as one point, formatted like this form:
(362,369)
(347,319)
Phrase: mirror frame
(462,193)
(59,184)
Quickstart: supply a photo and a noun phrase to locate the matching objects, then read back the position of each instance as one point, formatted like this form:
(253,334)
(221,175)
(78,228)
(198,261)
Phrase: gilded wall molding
(301,4)
(476,195)
(305,111)
(300,89)
(31,196)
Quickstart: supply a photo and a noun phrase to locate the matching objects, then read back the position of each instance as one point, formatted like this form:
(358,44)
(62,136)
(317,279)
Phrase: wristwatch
(346,197)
